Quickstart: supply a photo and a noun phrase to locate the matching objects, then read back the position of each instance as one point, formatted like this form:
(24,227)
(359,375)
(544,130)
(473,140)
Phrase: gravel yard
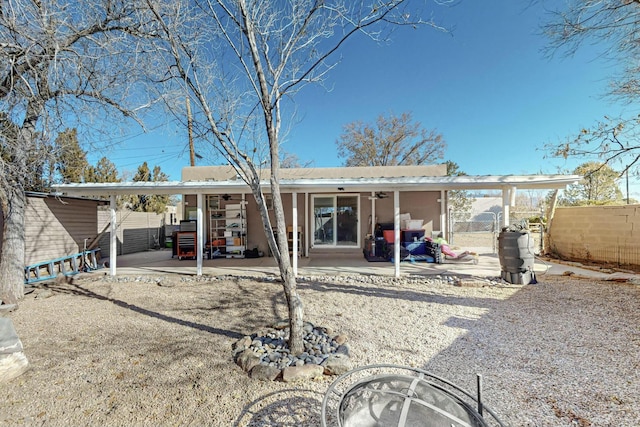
(156,350)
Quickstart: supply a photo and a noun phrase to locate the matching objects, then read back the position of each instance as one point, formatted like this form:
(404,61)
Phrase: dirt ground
(156,350)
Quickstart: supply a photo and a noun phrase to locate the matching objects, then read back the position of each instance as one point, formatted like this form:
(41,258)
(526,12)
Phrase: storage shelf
(227,228)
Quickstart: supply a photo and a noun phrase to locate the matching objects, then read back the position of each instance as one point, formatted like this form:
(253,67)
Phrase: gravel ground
(156,351)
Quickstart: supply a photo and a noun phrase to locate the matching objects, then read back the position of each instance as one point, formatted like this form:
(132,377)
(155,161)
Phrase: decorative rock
(266,351)
(301,373)
(344,350)
(248,360)
(336,364)
(241,345)
(281,324)
(264,372)
(340,339)
(274,356)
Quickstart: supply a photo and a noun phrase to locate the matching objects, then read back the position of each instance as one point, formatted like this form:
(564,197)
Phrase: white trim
(306,225)
(351,185)
(335,196)
(199,234)
(396,232)
(294,208)
(113,243)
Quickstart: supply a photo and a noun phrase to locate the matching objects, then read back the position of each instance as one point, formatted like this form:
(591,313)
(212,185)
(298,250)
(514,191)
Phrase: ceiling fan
(379,195)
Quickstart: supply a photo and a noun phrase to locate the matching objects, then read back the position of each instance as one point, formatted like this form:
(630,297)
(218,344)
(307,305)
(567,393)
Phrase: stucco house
(331,208)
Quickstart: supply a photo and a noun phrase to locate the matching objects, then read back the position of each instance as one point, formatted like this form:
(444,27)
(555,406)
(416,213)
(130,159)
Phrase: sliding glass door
(335,220)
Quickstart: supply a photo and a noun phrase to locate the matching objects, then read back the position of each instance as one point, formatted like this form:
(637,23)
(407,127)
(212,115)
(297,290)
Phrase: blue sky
(486,87)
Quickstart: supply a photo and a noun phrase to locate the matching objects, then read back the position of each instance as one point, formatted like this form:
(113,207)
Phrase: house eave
(428,183)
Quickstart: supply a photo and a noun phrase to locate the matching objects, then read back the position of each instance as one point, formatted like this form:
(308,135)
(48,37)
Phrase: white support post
(506,196)
(306,225)
(396,232)
(199,234)
(444,228)
(373,216)
(113,243)
(294,208)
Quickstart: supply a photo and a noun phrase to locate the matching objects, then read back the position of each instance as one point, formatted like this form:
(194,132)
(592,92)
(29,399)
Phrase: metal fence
(480,231)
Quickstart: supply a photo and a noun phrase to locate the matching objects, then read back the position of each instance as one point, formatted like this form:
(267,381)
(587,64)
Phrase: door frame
(335,196)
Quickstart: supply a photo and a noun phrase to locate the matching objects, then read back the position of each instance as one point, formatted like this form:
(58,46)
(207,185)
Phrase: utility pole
(192,151)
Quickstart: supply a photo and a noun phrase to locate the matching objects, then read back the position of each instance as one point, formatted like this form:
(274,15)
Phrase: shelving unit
(216,242)
(236,230)
(290,240)
(227,228)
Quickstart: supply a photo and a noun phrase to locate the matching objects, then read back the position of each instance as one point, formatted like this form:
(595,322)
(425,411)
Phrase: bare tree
(615,142)
(241,62)
(393,140)
(60,61)
(613,25)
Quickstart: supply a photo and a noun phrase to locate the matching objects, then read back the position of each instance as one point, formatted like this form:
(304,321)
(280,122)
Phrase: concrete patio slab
(342,262)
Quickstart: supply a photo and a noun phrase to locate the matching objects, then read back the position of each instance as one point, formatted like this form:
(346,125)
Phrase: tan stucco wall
(422,205)
(223,173)
(608,234)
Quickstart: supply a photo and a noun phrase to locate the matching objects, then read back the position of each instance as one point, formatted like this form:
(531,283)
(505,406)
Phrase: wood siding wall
(57,227)
(607,234)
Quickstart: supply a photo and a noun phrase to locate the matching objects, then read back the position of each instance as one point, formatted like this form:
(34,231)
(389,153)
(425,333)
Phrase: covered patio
(307,184)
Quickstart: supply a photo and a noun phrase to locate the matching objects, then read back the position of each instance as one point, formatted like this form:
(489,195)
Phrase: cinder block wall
(607,234)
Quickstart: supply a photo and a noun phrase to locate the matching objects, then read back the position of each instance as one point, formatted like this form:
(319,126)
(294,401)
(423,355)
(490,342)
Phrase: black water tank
(515,250)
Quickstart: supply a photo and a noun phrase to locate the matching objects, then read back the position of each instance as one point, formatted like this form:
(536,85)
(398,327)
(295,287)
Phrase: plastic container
(516,254)
(413,224)
(389,236)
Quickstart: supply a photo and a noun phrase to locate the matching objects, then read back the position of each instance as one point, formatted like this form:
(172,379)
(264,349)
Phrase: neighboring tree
(149,203)
(103,171)
(291,160)
(71,160)
(613,25)
(391,141)
(240,63)
(460,201)
(58,60)
(598,187)
(612,141)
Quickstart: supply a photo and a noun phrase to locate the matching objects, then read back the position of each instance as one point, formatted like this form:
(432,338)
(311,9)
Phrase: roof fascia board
(543,182)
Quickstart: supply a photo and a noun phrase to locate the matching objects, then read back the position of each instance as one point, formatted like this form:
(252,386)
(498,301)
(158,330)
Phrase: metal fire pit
(391,395)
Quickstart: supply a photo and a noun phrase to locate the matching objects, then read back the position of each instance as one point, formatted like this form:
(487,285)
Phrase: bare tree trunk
(13,210)
(13,249)
(551,210)
(294,303)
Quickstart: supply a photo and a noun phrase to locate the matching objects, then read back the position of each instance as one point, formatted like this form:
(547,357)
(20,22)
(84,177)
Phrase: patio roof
(404,183)
(223,179)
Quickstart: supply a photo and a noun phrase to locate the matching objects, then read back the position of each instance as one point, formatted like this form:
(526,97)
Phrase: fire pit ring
(393,395)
